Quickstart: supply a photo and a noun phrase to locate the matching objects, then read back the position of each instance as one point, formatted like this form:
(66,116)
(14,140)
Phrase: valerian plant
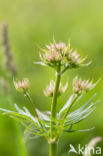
(51,124)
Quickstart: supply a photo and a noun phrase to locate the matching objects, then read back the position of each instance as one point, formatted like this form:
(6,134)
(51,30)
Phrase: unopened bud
(73,58)
(81,86)
(53,57)
(54,52)
(22,86)
(49,91)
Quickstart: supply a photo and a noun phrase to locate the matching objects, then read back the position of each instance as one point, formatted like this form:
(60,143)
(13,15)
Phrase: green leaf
(79,117)
(80,114)
(78,130)
(29,122)
(23,114)
(40,63)
(84,106)
(68,103)
(43,116)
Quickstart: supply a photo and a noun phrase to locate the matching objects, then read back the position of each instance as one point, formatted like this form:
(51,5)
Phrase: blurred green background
(32,24)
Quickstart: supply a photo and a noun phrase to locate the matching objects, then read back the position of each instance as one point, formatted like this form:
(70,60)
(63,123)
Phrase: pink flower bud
(22,86)
(81,86)
(49,91)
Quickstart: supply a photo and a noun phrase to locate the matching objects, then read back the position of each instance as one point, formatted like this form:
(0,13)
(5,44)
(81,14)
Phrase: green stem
(55,95)
(31,103)
(52,149)
(65,69)
(67,112)
(33,108)
(54,100)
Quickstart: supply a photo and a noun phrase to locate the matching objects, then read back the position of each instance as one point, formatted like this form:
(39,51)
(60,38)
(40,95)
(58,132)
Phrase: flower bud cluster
(55,52)
(61,54)
(81,86)
(73,57)
(22,86)
(49,91)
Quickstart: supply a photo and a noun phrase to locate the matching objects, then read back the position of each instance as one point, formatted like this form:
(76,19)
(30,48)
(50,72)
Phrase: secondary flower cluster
(49,91)
(81,86)
(61,54)
(22,86)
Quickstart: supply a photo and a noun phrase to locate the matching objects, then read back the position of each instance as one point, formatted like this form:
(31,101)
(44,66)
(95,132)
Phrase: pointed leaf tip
(40,63)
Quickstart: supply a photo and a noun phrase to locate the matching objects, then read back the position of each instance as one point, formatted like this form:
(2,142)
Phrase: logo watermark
(85,150)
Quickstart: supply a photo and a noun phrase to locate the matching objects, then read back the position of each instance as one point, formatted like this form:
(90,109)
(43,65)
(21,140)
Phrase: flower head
(81,86)
(55,52)
(53,56)
(73,58)
(59,47)
(60,54)
(49,91)
(22,86)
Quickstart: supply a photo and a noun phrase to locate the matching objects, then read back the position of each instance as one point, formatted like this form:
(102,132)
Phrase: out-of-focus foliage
(32,24)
